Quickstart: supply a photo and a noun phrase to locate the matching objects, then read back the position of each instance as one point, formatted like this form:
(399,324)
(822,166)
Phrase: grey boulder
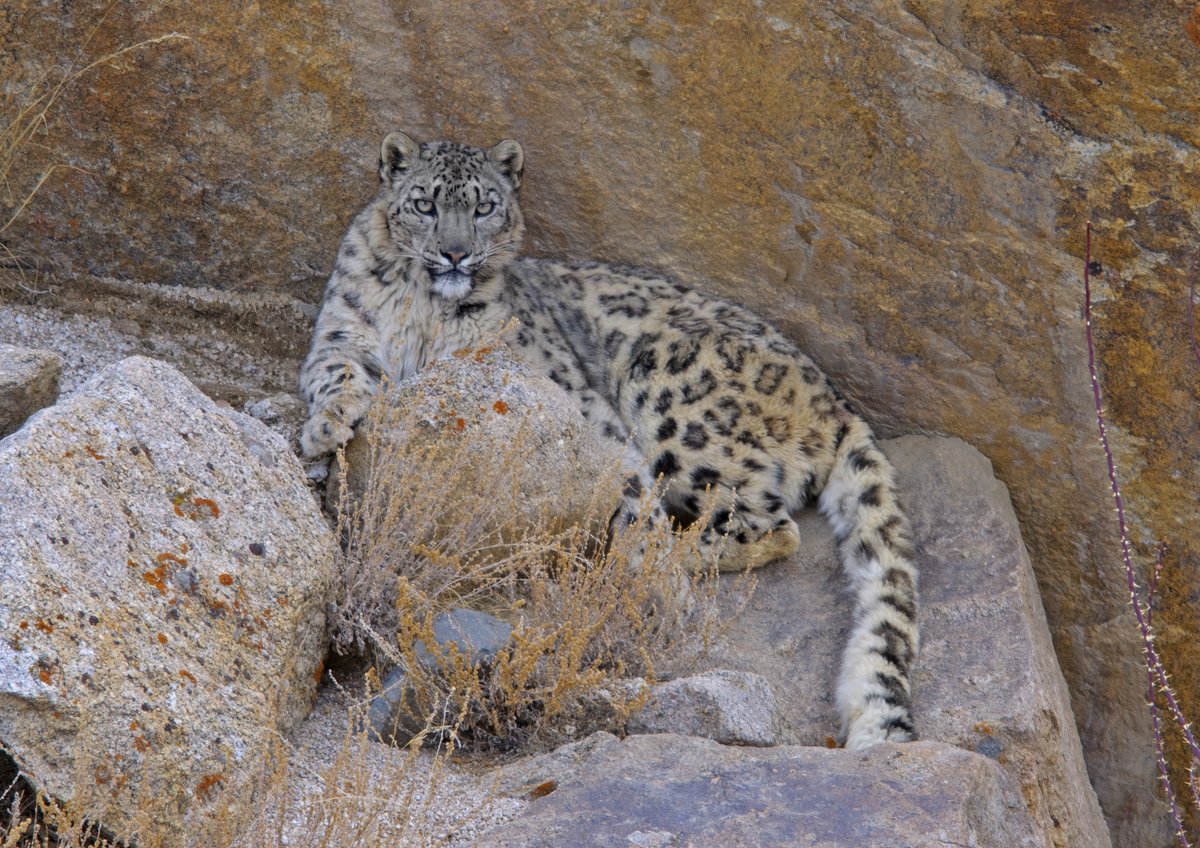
(164,574)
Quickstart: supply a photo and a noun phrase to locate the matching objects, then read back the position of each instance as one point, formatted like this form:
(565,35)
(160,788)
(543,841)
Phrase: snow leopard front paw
(324,433)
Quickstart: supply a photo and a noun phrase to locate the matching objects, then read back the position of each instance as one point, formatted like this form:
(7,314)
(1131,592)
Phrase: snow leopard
(717,403)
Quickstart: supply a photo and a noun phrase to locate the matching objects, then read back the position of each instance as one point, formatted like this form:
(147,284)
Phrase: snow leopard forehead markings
(454,173)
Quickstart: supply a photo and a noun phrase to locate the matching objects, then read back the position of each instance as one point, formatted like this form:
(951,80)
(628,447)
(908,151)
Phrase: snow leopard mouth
(452,285)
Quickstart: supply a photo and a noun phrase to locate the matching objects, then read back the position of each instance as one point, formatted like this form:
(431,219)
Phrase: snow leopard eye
(485,209)
(425,207)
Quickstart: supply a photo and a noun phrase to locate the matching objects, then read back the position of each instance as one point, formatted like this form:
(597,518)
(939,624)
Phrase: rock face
(901,187)
(28,382)
(987,679)
(660,791)
(163,578)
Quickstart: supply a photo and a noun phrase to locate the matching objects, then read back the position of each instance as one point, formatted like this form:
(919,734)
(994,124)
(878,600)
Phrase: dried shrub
(438,525)
(356,798)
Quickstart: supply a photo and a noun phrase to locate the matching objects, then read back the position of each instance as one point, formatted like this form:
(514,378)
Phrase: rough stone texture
(987,679)
(730,707)
(28,382)
(901,186)
(282,412)
(493,400)
(671,790)
(163,579)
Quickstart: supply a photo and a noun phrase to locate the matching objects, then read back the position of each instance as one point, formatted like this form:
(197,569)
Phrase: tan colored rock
(901,187)
(987,679)
(164,573)
(487,401)
(28,382)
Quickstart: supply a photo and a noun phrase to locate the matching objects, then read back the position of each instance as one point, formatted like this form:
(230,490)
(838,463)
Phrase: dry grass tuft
(439,525)
(355,799)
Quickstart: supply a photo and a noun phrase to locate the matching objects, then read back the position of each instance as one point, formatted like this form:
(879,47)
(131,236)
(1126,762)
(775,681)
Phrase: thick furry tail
(874,693)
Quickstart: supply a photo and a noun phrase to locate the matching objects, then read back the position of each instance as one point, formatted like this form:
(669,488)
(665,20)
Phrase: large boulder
(484,414)
(163,579)
(28,382)
(665,790)
(987,678)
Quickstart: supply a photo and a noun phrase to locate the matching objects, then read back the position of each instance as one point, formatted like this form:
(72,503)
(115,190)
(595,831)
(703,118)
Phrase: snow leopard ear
(396,155)
(509,159)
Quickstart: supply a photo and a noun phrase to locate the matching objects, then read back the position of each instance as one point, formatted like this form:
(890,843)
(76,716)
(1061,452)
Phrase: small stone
(730,707)
(477,636)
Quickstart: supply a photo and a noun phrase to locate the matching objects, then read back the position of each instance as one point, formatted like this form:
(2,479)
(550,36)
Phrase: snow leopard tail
(874,693)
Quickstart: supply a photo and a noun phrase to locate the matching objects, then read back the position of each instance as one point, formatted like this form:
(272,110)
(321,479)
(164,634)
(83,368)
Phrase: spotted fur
(713,399)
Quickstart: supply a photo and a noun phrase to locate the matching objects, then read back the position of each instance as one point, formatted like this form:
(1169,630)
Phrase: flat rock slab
(28,382)
(987,678)
(668,790)
(164,573)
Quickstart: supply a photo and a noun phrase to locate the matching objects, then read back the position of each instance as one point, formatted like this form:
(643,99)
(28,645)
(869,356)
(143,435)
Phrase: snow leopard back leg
(874,539)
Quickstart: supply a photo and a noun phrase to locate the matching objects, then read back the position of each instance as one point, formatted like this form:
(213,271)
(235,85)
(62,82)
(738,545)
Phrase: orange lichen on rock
(209,504)
(225,579)
(543,789)
(178,560)
(187,675)
(1192,27)
(501,407)
(93,453)
(208,785)
(44,626)
(155,579)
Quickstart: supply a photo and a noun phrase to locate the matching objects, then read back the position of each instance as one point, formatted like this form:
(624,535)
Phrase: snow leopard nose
(455,255)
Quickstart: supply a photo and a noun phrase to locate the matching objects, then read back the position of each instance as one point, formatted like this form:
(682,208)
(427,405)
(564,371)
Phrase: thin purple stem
(1154,665)
(1160,749)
